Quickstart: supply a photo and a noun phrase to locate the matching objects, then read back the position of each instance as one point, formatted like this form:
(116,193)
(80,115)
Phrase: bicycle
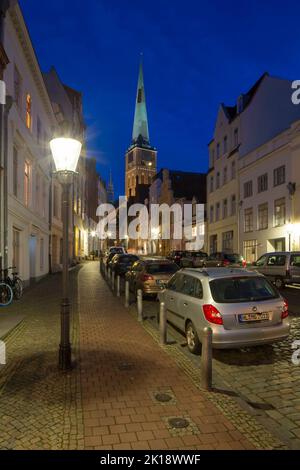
(14,282)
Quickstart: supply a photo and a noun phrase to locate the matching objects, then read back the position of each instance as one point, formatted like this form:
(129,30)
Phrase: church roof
(140,134)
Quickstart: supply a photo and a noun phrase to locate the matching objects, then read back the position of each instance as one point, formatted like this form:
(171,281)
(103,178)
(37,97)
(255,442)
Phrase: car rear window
(117,251)
(233,258)
(161,268)
(242,289)
(128,259)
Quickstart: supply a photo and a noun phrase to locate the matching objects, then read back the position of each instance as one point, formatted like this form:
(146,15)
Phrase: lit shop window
(28,111)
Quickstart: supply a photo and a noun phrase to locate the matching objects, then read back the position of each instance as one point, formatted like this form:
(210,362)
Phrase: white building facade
(30,123)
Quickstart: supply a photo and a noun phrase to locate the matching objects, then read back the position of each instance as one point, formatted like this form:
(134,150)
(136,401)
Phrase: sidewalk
(123,369)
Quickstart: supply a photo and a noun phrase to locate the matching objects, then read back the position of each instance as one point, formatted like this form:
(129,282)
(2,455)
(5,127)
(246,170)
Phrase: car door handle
(185,304)
(171,298)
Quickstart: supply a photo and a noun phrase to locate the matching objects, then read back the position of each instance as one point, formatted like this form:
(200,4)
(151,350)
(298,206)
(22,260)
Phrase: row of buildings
(251,190)
(39,106)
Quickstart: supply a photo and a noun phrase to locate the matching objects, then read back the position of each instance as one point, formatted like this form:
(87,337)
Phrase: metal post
(118,286)
(140,304)
(127,294)
(163,323)
(206,359)
(113,280)
(65,345)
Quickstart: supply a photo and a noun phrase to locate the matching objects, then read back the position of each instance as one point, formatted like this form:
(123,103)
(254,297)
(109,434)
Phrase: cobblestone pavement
(110,399)
(263,379)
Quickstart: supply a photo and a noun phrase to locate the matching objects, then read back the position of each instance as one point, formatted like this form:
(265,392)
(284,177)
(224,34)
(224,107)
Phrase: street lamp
(66,153)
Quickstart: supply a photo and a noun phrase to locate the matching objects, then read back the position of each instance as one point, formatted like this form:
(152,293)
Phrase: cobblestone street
(264,379)
(110,399)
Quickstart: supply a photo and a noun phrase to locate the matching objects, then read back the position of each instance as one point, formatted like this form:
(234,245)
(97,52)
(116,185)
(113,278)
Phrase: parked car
(281,267)
(176,256)
(193,259)
(242,307)
(120,264)
(117,250)
(222,259)
(151,275)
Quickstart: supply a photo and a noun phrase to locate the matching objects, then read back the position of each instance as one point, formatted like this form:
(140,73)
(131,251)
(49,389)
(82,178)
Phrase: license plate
(249,317)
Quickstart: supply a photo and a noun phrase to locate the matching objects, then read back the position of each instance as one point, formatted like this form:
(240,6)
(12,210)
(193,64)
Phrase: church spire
(110,189)
(140,134)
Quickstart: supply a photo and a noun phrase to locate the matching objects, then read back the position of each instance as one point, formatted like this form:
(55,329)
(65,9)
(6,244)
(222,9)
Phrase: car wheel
(279,283)
(192,338)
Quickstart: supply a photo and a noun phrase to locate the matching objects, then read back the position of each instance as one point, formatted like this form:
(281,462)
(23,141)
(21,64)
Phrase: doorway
(32,256)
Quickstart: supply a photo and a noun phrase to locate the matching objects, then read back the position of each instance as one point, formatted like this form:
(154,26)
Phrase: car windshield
(233,258)
(242,289)
(155,268)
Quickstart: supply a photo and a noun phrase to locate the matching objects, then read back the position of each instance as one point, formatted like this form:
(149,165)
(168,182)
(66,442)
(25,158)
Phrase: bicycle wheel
(18,288)
(6,294)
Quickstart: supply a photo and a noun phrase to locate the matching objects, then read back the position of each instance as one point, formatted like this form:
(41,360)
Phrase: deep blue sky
(196,55)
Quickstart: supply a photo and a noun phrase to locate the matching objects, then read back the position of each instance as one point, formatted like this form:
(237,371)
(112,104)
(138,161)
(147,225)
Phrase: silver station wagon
(241,307)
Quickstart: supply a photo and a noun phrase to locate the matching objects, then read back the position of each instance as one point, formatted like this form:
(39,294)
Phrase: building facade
(28,123)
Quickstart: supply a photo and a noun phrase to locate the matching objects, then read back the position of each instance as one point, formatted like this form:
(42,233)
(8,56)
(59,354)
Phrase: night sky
(196,55)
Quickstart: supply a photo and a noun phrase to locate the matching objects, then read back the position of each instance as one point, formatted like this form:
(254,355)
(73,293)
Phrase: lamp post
(66,153)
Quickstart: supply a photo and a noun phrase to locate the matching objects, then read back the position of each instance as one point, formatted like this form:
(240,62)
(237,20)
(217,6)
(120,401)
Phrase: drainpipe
(9,103)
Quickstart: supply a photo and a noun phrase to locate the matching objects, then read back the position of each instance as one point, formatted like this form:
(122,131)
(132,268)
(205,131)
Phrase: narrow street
(111,399)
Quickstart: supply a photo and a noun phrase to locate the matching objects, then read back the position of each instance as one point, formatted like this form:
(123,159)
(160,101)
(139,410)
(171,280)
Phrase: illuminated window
(28,111)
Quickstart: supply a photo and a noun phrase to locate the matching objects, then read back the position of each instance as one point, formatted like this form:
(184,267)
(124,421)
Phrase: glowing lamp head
(66,153)
(93,233)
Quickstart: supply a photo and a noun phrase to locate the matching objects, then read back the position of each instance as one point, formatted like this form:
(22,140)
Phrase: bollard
(113,280)
(109,276)
(118,286)
(206,359)
(127,294)
(139,300)
(163,323)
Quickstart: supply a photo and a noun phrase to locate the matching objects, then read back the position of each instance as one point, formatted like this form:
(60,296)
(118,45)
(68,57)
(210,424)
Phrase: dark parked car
(193,259)
(120,264)
(222,259)
(176,256)
(150,275)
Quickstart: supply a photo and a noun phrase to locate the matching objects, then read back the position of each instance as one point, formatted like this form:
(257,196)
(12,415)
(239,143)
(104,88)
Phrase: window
(218,180)
(225,209)
(233,204)
(263,216)
(211,188)
(248,189)
(276,260)
(235,137)
(225,175)
(233,170)
(227,241)
(261,261)
(262,183)
(211,214)
(295,260)
(16,249)
(190,286)
(242,289)
(213,243)
(248,220)
(279,175)
(218,151)
(225,146)
(27,176)
(217,211)
(28,111)
(18,88)
(15,173)
(279,212)
(41,254)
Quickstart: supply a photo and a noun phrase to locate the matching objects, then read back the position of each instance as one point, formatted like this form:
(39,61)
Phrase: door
(295,268)
(32,256)
(171,298)
(189,306)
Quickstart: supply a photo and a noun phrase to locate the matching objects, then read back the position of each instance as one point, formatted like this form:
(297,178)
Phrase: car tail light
(226,262)
(285,310)
(147,277)
(212,314)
